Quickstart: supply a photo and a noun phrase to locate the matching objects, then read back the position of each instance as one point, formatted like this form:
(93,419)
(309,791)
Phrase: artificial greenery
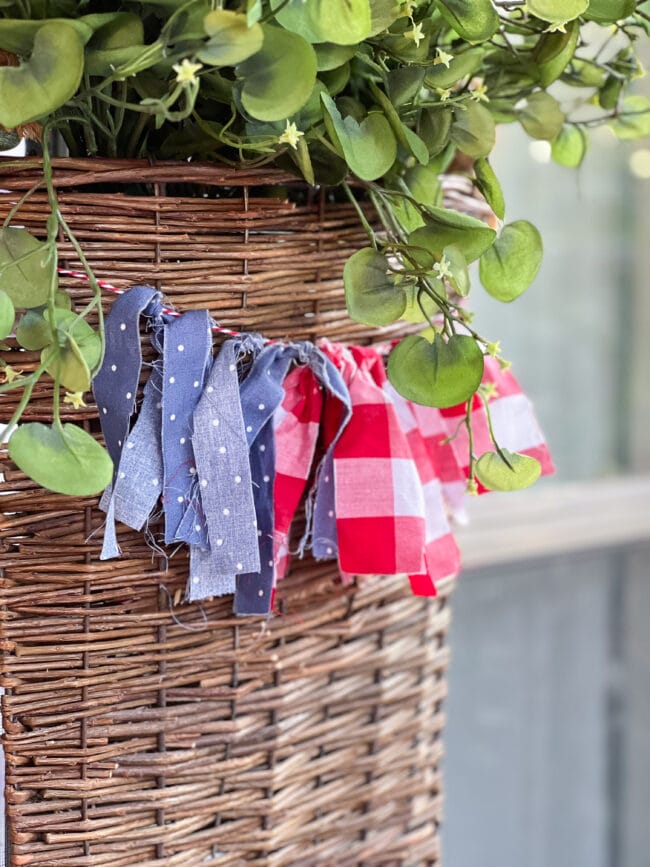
(372,98)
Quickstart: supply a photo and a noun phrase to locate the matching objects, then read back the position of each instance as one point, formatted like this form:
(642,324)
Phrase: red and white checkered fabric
(441,554)
(297,424)
(379,503)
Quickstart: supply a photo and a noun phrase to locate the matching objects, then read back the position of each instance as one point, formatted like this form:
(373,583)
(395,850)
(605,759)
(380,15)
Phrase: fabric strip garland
(236,446)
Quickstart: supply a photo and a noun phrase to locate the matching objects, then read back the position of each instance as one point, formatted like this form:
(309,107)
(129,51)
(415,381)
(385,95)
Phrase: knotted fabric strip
(187,357)
(379,505)
(261,394)
(222,463)
(116,385)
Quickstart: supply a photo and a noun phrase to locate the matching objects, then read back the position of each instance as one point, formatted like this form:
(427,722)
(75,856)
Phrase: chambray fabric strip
(261,394)
(116,384)
(321,513)
(223,469)
(140,474)
(187,356)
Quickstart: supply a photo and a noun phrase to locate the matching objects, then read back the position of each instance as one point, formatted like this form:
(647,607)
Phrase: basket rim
(17,173)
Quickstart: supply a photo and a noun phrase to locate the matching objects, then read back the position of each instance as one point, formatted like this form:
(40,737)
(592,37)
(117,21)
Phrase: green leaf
(554,52)
(473,130)
(329,56)
(369,147)
(557,11)
(445,227)
(633,120)
(370,291)
(463,64)
(33,331)
(383,13)
(78,351)
(434,128)
(7,315)
(254,11)
(423,184)
(610,92)
(495,474)
(343,22)
(570,147)
(47,80)
(66,460)
(302,159)
(405,136)
(441,374)
(413,310)
(541,116)
(474,20)
(511,264)
(458,266)
(609,11)
(278,80)
(403,84)
(26,267)
(488,184)
(231,39)
(18,35)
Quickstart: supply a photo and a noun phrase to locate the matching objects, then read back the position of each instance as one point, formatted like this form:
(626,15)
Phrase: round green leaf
(67,460)
(343,22)
(473,130)
(570,147)
(444,227)
(495,474)
(231,39)
(369,147)
(488,184)
(541,116)
(26,266)
(370,291)
(633,120)
(403,84)
(441,374)
(48,79)
(7,315)
(278,80)
(609,11)
(554,52)
(33,331)
(461,65)
(474,20)
(78,351)
(434,127)
(610,92)
(511,264)
(557,11)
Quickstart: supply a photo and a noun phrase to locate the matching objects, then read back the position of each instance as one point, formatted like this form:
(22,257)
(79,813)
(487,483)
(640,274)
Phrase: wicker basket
(142,731)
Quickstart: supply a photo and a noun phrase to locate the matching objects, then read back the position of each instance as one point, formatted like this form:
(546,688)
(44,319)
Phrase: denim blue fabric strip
(223,470)
(320,503)
(261,394)
(116,384)
(187,356)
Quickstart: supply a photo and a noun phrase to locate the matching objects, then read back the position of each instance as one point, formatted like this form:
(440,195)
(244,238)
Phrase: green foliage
(507,471)
(385,93)
(443,373)
(511,264)
(63,458)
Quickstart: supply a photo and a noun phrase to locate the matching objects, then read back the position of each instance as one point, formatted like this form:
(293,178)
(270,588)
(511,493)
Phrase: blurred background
(548,740)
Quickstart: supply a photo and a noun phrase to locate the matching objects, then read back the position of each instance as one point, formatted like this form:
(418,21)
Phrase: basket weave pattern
(142,731)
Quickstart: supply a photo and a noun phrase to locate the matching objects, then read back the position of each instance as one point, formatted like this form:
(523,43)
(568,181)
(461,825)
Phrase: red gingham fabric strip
(379,502)
(297,424)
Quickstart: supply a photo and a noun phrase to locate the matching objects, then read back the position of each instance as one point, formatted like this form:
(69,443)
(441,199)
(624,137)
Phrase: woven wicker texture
(140,730)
